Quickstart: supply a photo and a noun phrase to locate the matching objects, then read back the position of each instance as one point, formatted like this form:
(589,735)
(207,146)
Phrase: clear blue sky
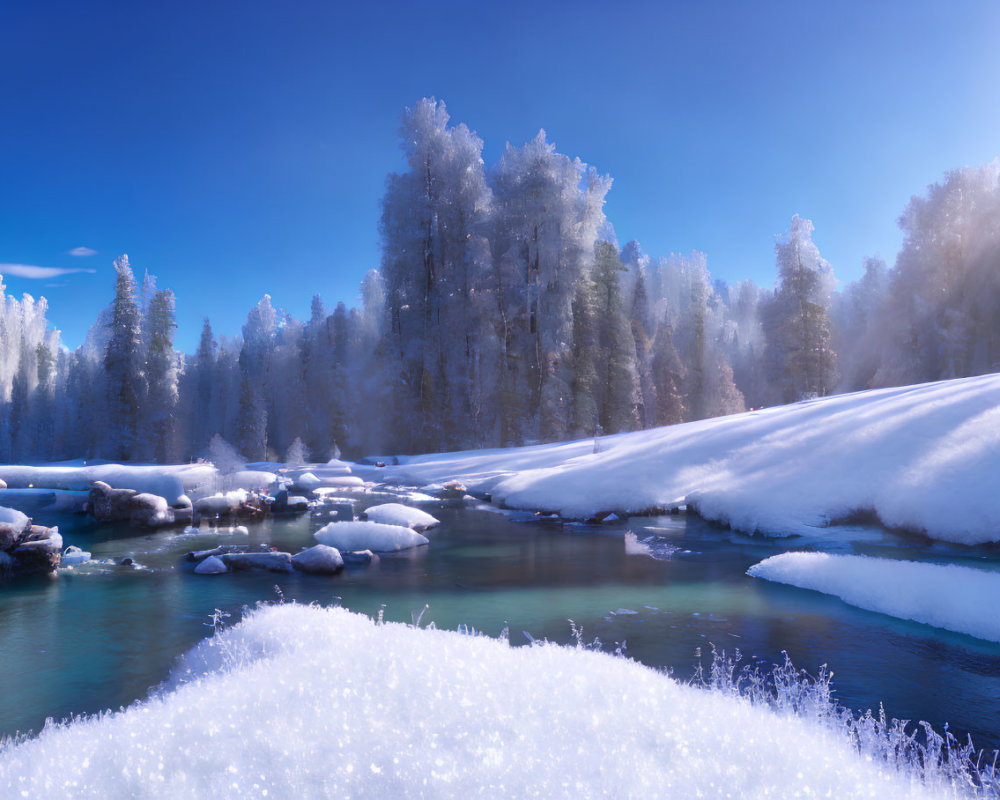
(237,148)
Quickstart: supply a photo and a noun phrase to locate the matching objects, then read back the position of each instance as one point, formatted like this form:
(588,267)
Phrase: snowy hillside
(924,458)
(310,702)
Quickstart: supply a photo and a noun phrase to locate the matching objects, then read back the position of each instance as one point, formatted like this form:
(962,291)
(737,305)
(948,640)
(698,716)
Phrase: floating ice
(310,702)
(73,555)
(368,536)
(398,514)
(960,599)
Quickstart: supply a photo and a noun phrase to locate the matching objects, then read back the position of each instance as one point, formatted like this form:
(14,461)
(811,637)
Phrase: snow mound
(960,599)
(368,536)
(398,514)
(169,482)
(308,702)
(922,458)
(73,555)
(11,516)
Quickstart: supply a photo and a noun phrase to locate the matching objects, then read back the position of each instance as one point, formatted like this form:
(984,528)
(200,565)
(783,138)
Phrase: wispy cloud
(31,271)
(82,251)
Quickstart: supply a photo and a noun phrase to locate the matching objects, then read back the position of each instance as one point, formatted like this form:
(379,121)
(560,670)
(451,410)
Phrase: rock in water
(213,565)
(272,562)
(319,560)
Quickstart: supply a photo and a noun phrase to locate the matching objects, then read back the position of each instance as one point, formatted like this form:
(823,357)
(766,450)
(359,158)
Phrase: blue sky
(237,148)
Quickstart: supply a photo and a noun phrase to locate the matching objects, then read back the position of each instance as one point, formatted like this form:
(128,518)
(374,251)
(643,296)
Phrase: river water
(101,635)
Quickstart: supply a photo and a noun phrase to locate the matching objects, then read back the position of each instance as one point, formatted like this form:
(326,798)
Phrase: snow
(368,536)
(73,555)
(307,481)
(921,457)
(169,482)
(960,599)
(398,514)
(11,516)
(308,702)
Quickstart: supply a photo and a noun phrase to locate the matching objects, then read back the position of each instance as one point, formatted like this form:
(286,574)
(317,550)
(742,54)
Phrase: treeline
(504,312)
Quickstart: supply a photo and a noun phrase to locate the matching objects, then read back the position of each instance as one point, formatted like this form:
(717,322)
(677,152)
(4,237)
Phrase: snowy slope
(309,702)
(959,599)
(922,457)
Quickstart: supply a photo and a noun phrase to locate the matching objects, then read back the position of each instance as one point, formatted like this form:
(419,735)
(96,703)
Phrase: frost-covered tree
(431,215)
(800,358)
(940,317)
(547,220)
(162,371)
(124,369)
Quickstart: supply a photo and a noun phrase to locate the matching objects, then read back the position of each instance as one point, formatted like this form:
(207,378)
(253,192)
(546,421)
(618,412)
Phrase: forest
(505,312)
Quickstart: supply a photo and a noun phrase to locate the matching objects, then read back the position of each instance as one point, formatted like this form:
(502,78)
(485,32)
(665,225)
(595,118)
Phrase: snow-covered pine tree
(124,374)
(797,321)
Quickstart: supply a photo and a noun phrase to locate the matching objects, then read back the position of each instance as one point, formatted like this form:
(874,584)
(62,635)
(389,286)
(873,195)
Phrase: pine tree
(124,376)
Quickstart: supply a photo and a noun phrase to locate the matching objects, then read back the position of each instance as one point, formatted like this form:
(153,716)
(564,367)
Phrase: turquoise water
(101,635)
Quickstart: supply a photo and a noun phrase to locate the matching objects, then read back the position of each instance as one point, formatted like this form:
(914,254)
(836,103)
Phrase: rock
(359,558)
(452,490)
(272,562)
(3,483)
(201,555)
(9,534)
(149,510)
(126,562)
(213,565)
(319,560)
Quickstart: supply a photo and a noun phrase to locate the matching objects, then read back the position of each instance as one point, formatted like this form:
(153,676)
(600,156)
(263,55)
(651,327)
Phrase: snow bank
(169,482)
(368,536)
(13,517)
(398,514)
(310,702)
(960,599)
(921,457)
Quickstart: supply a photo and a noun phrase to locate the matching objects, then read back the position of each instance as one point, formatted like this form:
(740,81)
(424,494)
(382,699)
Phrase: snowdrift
(960,599)
(398,514)
(374,536)
(169,482)
(922,458)
(308,702)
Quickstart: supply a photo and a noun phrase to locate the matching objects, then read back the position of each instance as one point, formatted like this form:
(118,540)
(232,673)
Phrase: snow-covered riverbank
(924,458)
(306,702)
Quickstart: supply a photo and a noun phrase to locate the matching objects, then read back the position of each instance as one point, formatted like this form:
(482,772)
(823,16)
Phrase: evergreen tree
(797,322)
(124,375)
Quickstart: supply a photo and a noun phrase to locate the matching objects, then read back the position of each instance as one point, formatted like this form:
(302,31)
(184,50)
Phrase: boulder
(3,483)
(359,558)
(319,560)
(213,565)
(272,562)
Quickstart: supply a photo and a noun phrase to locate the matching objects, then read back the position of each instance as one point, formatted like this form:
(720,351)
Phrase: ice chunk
(398,514)
(960,599)
(368,536)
